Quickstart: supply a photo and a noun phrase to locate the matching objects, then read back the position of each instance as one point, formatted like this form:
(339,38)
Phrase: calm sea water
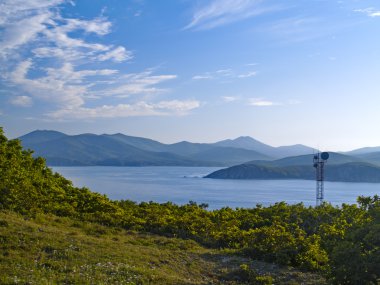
(182,184)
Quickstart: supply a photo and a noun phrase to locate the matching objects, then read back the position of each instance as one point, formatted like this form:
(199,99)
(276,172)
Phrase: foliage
(342,242)
(89,253)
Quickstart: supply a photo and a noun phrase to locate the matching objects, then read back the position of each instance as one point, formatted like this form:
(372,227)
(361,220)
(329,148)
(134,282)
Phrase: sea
(183,184)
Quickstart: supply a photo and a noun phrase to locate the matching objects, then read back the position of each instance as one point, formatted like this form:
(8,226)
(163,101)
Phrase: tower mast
(319,160)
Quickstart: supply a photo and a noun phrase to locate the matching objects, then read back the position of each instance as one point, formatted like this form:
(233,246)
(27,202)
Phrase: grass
(55,250)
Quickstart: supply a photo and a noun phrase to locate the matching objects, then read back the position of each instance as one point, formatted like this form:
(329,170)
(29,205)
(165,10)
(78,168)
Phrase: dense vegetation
(88,253)
(342,243)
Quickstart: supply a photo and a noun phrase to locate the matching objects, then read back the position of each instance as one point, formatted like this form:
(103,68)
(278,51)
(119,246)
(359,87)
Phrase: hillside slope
(87,253)
(347,172)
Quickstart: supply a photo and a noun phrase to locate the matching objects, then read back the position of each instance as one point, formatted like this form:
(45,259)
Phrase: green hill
(54,233)
(347,172)
(306,160)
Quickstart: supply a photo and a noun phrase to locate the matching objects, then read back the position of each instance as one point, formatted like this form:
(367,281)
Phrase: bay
(183,184)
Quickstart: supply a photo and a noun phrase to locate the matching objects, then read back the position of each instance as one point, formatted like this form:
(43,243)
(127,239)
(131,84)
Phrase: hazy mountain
(292,150)
(364,150)
(270,151)
(372,157)
(228,155)
(90,149)
(119,149)
(246,143)
(141,143)
(347,172)
(188,148)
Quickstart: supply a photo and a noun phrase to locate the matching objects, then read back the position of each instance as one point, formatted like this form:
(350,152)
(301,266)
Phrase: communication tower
(319,160)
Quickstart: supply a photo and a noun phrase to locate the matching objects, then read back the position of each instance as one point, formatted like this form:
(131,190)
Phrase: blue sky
(283,72)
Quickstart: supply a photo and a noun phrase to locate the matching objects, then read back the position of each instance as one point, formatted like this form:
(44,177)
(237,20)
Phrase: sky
(283,72)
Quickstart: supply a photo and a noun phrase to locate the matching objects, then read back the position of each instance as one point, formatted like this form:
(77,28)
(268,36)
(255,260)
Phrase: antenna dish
(325,155)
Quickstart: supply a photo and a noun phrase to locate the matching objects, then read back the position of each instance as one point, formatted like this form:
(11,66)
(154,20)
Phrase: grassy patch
(54,250)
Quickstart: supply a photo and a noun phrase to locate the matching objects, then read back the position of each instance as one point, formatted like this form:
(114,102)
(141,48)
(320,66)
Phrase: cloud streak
(227,73)
(370,12)
(142,108)
(259,102)
(223,12)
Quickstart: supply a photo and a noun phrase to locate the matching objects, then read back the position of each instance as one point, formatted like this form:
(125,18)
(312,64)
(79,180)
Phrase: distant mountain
(141,143)
(270,151)
(372,157)
(230,154)
(41,136)
(347,172)
(364,150)
(122,150)
(246,143)
(90,149)
(335,158)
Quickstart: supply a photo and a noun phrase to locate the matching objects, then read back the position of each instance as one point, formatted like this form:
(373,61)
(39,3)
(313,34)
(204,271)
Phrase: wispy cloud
(249,74)
(142,108)
(229,99)
(117,54)
(226,73)
(259,102)
(137,83)
(222,12)
(202,77)
(45,56)
(262,102)
(370,12)
(22,101)
(295,29)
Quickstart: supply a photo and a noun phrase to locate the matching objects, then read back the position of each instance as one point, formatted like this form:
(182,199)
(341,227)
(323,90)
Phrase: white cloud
(23,23)
(20,32)
(64,86)
(201,77)
(179,107)
(98,26)
(249,74)
(222,74)
(258,102)
(142,108)
(37,27)
(13,10)
(229,99)
(370,12)
(22,101)
(137,83)
(222,12)
(117,54)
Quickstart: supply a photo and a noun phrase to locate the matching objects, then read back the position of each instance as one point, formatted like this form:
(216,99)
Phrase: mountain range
(60,149)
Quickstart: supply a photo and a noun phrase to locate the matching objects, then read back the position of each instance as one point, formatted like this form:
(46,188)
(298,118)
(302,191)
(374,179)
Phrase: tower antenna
(319,160)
